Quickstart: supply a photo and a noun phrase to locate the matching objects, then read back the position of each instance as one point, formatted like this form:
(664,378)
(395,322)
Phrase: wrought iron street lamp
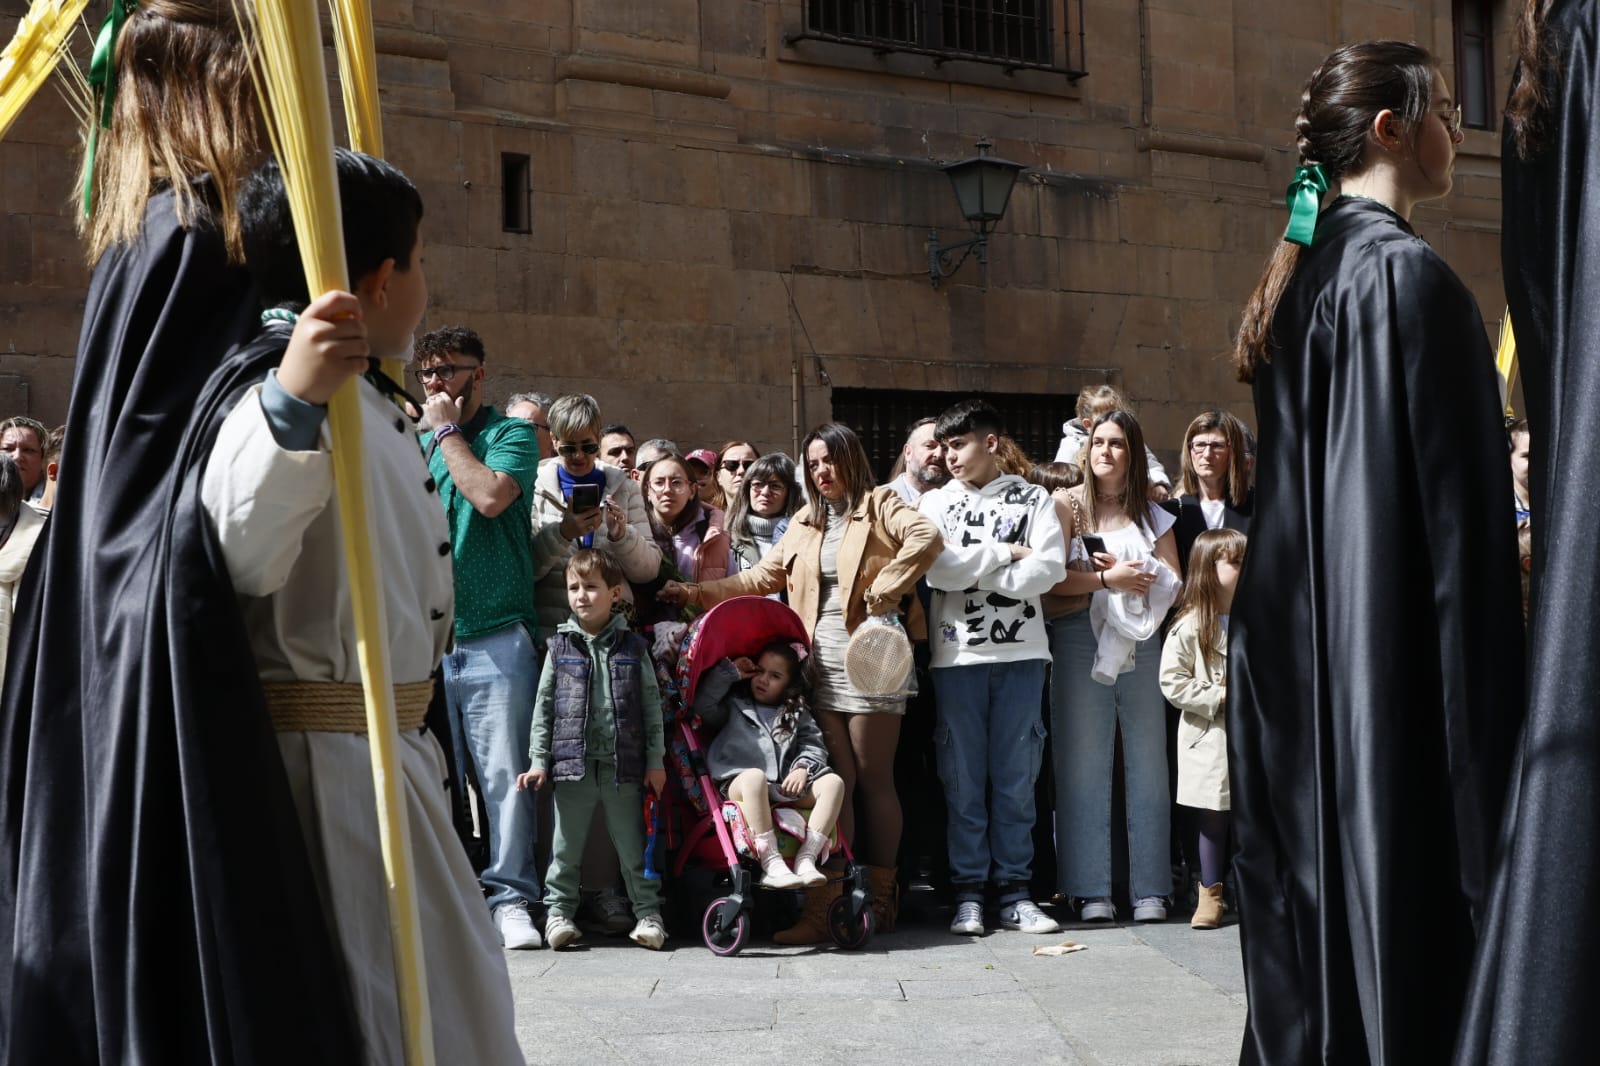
(983,187)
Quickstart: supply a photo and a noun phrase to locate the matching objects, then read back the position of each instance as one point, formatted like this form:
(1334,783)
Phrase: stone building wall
(725,220)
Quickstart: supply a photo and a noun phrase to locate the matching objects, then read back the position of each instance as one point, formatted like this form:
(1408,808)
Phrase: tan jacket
(13,560)
(1199,690)
(887,546)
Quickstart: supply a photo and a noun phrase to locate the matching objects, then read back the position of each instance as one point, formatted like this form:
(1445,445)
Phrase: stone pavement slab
(1152,995)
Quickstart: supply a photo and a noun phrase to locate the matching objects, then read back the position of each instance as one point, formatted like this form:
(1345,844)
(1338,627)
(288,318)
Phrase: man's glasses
(570,451)
(734,466)
(1452,118)
(621,449)
(1208,446)
(445,372)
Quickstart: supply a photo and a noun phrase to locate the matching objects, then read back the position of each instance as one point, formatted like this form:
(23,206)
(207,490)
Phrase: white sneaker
(517,930)
(649,932)
(968,920)
(1100,909)
(560,931)
(1150,909)
(1025,915)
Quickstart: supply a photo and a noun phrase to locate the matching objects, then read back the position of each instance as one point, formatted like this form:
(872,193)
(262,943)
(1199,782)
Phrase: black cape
(156,901)
(1533,990)
(1375,654)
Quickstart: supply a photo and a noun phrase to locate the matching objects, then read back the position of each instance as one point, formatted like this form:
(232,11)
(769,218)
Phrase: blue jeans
(989,742)
(1084,716)
(489,684)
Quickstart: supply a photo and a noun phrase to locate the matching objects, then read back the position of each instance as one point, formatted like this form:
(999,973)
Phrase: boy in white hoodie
(1003,549)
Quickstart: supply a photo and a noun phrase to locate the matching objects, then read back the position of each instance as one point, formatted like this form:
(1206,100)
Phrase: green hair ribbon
(103,81)
(1304,199)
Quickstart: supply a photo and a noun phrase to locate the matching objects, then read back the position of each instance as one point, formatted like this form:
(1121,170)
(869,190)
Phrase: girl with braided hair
(1374,676)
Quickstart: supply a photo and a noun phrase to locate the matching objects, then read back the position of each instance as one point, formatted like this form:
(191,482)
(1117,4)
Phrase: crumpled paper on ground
(1066,947)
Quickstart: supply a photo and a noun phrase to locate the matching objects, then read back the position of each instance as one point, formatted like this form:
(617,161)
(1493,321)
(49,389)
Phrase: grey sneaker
(613,911)
(649,932)
(1150,909)
(1100,909)
(517,930)
(1025,915)
(968,920)
(561,931)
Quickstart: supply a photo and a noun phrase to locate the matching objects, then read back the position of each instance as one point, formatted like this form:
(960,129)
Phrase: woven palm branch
(41,39)
(1505,362)
(293,84)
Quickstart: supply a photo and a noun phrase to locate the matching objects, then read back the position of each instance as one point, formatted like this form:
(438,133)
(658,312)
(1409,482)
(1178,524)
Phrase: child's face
(394,312)
(1519,460)
(1227,574)
(771,679)
(590,599)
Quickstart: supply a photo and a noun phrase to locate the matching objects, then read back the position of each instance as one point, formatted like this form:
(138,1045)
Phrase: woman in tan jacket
(854,550)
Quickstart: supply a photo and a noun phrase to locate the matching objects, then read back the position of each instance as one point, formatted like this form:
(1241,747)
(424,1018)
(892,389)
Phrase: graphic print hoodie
(985,607)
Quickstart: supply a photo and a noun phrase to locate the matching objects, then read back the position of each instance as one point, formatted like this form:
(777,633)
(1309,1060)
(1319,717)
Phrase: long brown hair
(1530,96)
(1337,106)
(185,108)
(1135,501)
(1236,482)
(1200,590)
(850,462)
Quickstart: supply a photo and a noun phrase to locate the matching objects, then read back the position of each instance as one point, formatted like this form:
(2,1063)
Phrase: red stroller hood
(740,626)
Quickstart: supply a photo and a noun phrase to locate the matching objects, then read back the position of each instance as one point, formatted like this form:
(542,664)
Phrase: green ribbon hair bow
(1304,199)
(103,82)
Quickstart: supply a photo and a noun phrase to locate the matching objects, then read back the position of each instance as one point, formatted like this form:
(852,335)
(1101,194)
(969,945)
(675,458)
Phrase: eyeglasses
(588,447)
(1208,446)
(621,449)
(734,466)
(1452,118)
(767,486)
(444,372)
(677,484)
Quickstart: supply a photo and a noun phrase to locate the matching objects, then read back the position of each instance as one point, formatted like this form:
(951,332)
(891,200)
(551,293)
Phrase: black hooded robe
(1375,654)
(156,901)
(1533,986)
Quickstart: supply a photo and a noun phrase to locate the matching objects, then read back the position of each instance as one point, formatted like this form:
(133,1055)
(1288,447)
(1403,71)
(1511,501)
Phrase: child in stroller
(708,832)
(769,749)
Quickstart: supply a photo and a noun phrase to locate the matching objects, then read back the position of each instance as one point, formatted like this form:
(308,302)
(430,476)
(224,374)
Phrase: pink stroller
(714,834)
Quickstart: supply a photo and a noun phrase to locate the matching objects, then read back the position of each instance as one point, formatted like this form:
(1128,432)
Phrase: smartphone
(585,498)
(1094,545)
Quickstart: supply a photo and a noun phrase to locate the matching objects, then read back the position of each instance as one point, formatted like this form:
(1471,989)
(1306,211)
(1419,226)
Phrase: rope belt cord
(336,707)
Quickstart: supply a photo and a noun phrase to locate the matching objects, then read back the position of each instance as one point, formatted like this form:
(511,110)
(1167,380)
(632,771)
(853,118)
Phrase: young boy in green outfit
(597,732)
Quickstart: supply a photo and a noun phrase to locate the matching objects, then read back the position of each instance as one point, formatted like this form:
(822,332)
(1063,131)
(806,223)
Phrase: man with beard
(924,464)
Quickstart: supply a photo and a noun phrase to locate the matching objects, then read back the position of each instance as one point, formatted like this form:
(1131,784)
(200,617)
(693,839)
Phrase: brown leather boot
(1208,912)
(812,928)
(885,897)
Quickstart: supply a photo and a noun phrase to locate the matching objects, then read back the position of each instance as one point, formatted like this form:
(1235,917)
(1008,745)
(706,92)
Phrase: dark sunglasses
(588,447)
(733,466)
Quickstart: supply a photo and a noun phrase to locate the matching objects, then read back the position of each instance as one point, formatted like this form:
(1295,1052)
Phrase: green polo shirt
(493,556)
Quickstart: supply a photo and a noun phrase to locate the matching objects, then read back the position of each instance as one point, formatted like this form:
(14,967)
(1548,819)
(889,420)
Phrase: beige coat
(887,546)
(13,560)
(1199,690)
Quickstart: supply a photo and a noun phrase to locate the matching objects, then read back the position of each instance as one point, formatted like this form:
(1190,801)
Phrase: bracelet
(444,431)
(1103,580)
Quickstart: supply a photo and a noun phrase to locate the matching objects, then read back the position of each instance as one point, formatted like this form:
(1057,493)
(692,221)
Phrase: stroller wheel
(850,933)
(726,926)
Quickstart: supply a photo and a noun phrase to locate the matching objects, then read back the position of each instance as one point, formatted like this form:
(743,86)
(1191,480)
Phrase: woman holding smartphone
(1119,541)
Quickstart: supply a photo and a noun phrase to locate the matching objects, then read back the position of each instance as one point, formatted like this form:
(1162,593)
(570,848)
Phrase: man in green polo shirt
(483,464)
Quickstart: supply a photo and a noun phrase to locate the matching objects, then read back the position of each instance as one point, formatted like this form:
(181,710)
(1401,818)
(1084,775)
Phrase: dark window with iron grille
(883,417)
(1018,31)
(1474,25)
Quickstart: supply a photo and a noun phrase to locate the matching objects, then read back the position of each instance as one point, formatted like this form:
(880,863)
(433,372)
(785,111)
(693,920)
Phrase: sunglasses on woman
(735,466)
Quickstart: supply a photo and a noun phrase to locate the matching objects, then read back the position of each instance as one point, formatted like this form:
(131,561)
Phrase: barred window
(1019,33)
(1474,33)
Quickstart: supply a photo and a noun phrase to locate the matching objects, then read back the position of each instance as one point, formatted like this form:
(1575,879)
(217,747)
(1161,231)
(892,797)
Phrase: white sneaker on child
(775,873)
(560,931)
(805,861)
(649,932)
(517,930)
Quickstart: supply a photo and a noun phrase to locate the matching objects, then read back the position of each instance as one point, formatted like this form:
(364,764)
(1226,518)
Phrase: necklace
(1109,497)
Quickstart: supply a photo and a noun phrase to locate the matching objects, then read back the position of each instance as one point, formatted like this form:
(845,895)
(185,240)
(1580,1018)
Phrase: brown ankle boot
(812,928)
(1208,912)
(885,897)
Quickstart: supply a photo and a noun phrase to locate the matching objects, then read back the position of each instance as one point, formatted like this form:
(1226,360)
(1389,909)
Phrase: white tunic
(278,523)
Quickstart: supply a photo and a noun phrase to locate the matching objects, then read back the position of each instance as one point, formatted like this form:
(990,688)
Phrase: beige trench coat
(1199,690)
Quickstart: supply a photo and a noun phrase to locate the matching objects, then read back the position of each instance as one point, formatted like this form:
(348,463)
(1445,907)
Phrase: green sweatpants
(623,806)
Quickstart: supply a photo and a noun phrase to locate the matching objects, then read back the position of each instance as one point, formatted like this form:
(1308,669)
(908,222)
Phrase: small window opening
(516,193)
